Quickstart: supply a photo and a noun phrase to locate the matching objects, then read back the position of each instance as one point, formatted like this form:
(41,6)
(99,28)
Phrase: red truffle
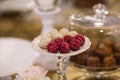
(64,47)
(58,40)
(52,47)
(75,44)
(81,38)
(68,38)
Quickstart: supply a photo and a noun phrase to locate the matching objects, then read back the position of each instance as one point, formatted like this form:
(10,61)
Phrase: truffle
(63,31)
(72,33)
(109,63)
(57,35)
(53,32)
(44,40)
(117,57)
(93,62)
(104,50)
(117,46)
(109,41)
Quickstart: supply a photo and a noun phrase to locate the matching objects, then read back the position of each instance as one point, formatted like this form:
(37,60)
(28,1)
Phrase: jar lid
(99,17)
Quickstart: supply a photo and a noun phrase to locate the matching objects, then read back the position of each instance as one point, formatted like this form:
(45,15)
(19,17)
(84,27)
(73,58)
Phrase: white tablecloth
(15,54)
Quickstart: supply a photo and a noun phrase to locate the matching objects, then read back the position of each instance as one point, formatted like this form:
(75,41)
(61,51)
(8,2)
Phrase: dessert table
(27,25)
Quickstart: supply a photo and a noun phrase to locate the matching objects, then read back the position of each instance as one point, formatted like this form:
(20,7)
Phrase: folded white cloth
(15,54)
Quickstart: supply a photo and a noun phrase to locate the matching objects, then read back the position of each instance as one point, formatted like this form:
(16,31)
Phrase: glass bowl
(102,27)
(87,72)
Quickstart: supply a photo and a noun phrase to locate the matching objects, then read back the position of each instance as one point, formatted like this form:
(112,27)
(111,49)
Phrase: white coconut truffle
(44,40)
(48,35)
(57,35)
(54,31)
(63,31)
(72,33)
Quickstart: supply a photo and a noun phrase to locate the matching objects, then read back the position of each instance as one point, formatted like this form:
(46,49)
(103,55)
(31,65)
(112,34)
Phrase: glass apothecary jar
(103,29)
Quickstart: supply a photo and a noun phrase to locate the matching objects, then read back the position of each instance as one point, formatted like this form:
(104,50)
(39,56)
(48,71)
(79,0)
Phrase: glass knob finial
(100,12)
(100,9)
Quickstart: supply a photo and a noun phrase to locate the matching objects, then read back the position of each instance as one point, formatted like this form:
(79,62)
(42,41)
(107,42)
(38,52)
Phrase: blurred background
(17,18)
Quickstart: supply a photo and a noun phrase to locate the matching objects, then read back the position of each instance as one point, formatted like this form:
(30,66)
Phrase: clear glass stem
(62,65)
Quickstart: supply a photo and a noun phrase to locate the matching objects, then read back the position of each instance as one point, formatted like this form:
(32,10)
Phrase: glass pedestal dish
(62,63)
(102,28)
